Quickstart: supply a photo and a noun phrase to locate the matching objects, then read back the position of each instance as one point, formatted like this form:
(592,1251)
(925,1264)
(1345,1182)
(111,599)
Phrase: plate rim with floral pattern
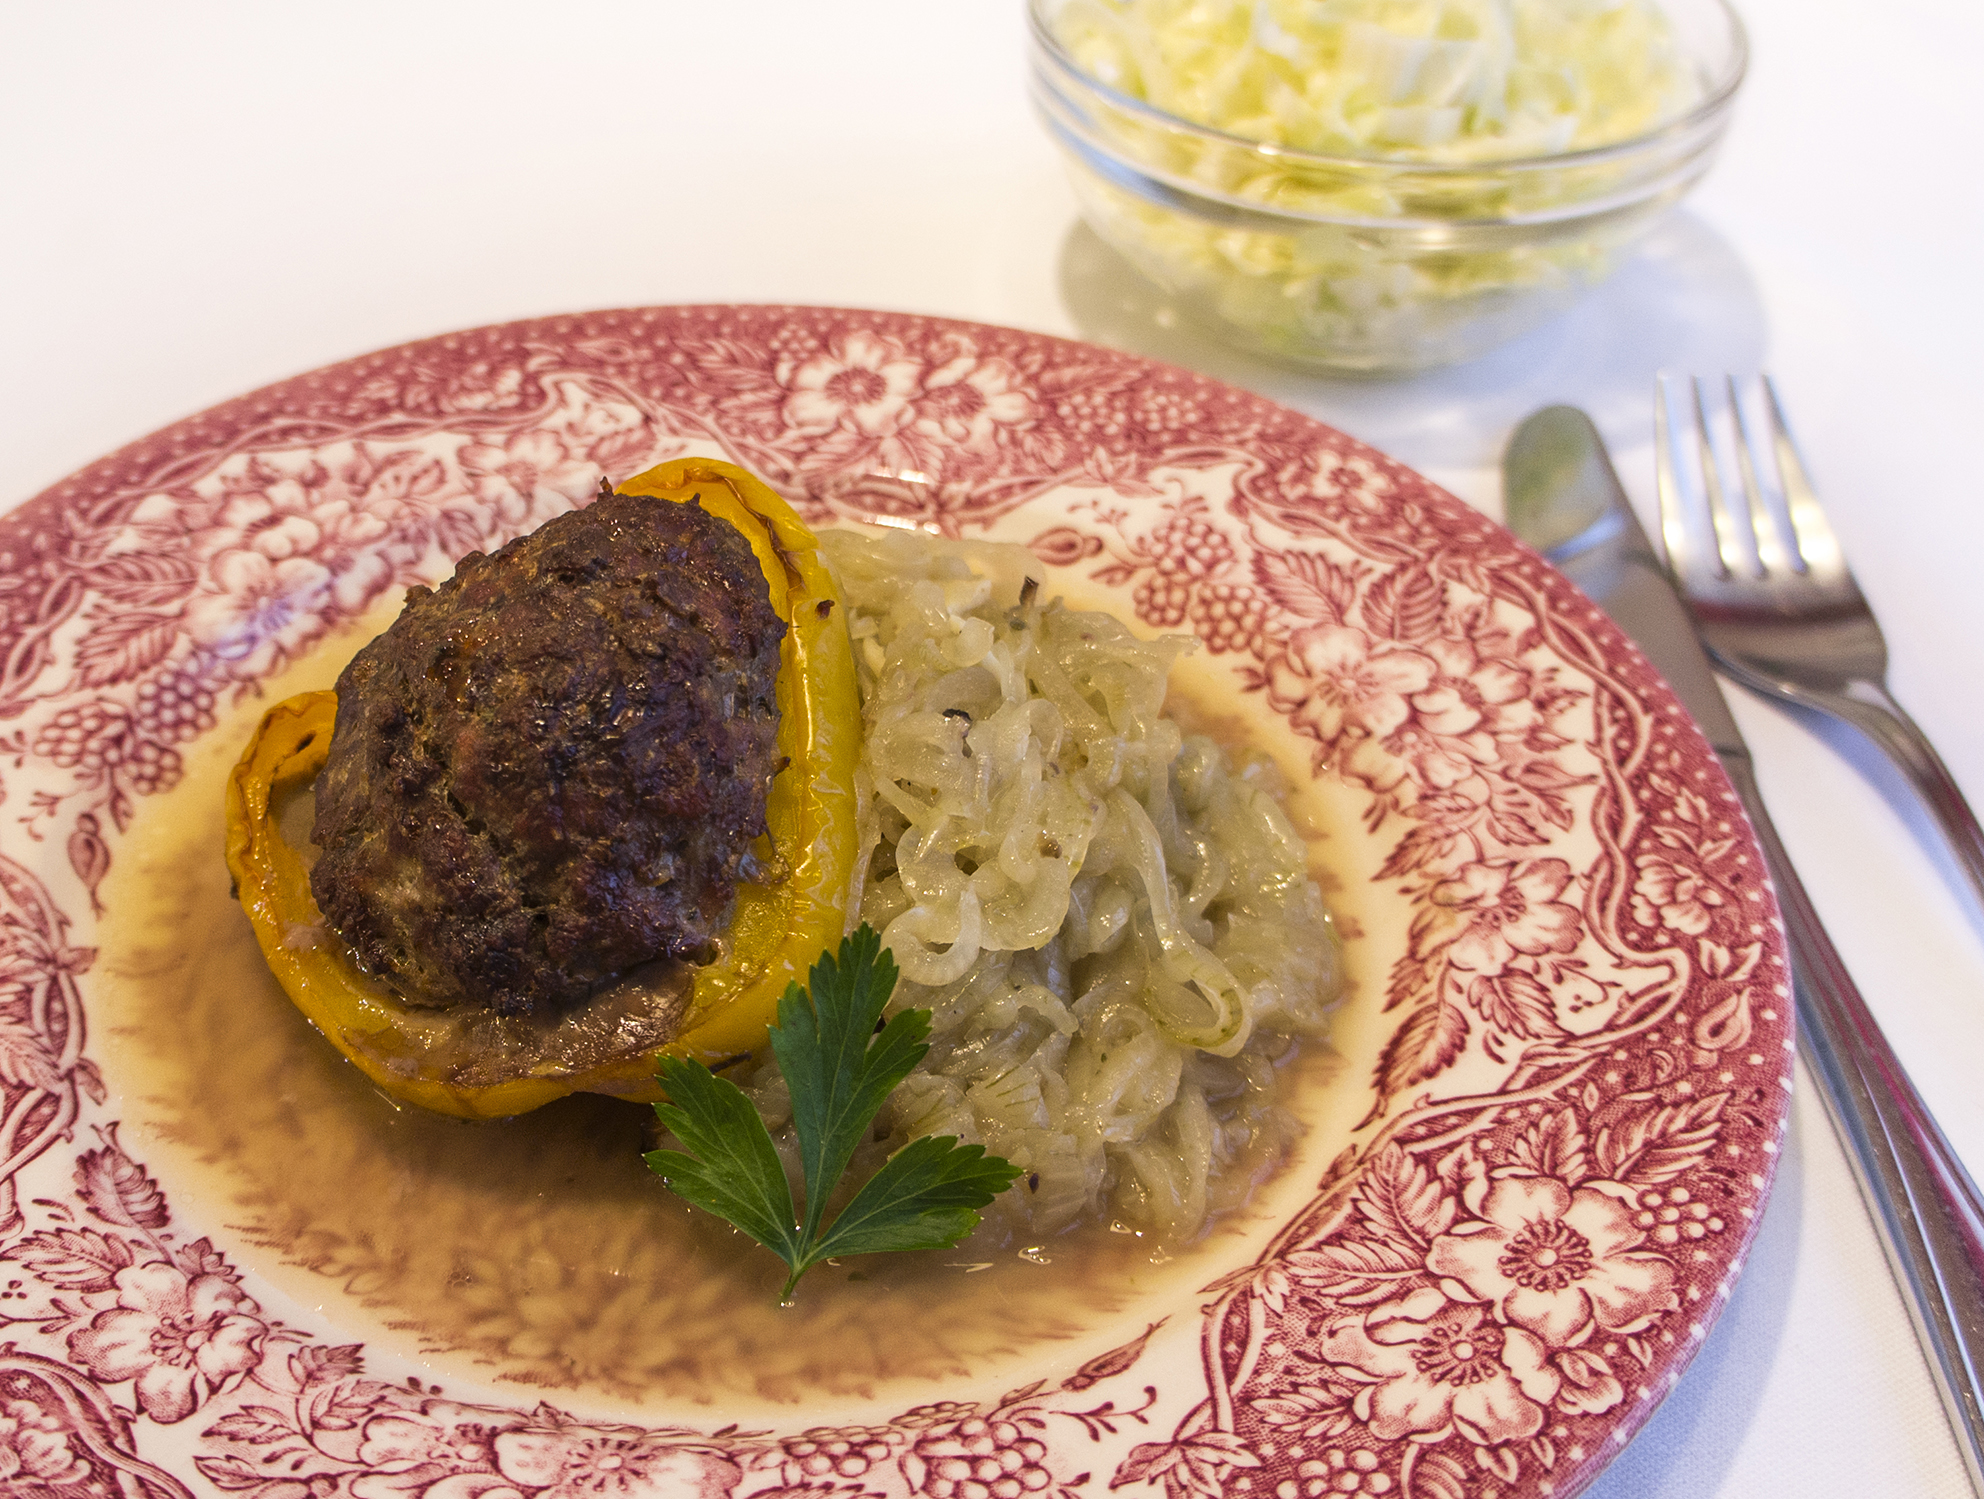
(1578,1065)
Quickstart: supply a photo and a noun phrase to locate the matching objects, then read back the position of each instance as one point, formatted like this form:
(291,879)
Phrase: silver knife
(1564,499)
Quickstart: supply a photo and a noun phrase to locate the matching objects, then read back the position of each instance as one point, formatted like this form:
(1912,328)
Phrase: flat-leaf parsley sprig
(840,1064)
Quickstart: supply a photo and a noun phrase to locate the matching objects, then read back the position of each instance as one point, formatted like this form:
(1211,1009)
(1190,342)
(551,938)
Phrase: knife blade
(1562,496)
(1564,499)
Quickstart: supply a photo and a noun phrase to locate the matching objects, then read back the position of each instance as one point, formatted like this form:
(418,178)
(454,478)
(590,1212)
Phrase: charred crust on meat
(551,769)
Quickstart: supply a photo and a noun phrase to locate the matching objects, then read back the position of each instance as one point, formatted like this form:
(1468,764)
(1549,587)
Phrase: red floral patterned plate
(1520,1199)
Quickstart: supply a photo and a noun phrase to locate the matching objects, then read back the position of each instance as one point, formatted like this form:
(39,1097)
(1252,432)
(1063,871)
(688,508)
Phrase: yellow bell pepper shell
(777,930)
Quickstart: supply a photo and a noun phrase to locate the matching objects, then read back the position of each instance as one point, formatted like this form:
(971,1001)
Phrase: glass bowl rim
(1717,101)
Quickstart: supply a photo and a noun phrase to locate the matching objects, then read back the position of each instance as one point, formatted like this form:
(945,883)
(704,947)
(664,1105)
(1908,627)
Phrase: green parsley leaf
(836,1067)
(922,1198)
(735,1172)
(840,1064)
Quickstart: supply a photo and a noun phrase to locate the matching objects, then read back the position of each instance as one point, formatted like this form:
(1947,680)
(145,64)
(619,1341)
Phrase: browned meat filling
(551,768)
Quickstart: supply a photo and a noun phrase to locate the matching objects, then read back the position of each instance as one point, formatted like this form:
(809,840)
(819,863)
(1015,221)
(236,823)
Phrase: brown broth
(535,1250)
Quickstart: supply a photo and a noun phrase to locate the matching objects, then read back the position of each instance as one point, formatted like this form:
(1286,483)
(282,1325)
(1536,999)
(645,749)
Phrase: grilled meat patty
(551,768)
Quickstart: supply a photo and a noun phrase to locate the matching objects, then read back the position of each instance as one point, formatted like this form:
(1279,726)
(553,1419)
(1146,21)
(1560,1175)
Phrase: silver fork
(1778,607)
(1752,613)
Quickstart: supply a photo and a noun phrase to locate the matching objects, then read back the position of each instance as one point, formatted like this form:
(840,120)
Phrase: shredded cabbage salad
(1443,81)
(1415,245)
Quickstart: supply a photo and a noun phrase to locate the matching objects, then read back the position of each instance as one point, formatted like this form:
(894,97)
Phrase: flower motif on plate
(1577,1040)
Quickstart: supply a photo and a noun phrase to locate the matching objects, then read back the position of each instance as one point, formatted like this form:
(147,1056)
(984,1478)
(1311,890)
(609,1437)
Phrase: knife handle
(1924,1204)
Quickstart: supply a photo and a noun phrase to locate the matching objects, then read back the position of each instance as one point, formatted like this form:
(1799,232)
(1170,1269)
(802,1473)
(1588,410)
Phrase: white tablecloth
(198,199)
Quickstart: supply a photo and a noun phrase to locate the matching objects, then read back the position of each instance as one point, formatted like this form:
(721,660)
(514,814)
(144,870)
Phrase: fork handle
(1924,1204)
(1870,709)
(1866,704)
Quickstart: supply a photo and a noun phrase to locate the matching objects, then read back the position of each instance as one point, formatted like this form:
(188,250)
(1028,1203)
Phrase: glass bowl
(1374,263)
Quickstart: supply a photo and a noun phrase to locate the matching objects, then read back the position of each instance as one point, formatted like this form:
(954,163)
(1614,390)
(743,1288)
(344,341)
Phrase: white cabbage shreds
(1447,81)
(1114,929)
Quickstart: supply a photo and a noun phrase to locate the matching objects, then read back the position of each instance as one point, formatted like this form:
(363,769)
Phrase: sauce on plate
(537,1250)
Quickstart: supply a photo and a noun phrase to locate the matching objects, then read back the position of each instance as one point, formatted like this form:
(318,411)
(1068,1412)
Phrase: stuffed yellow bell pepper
(777,927)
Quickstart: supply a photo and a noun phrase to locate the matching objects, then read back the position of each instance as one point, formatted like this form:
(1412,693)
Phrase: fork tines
(1772,524)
